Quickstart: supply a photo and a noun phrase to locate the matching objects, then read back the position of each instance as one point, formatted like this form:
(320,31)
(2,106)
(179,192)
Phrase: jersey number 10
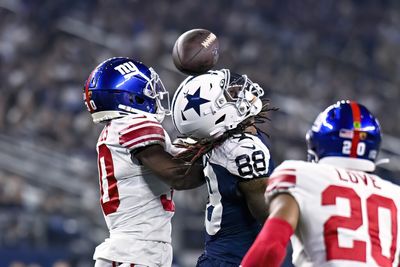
(358,251)
(108,184)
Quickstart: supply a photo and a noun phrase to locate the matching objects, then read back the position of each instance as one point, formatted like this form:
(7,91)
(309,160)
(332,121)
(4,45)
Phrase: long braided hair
(201,146)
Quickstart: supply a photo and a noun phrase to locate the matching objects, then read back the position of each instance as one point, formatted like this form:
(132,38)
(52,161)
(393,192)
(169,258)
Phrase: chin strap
(312,156)
(158,116)
(382,161)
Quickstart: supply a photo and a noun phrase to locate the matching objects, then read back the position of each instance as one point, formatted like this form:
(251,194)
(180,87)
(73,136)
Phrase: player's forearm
(253,192)
(175,172)
(260,212)
(269,249)
(187,176)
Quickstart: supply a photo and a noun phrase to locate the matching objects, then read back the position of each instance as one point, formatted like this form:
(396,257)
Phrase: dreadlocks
(202,146)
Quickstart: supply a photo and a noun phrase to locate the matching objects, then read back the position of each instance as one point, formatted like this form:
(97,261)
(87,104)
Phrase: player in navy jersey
(219,110)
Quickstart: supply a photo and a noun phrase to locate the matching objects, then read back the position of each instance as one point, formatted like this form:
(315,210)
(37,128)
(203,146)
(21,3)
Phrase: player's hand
(179,145)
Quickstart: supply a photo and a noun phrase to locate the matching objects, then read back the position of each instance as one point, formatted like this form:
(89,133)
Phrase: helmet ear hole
(221,119)
(139,100)
(332,116)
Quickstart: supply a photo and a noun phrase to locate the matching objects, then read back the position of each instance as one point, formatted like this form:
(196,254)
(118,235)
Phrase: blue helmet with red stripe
(345,133)
(120,86)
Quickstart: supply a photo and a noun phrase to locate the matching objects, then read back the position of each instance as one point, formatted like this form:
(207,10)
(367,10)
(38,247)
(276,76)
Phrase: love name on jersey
(357,178)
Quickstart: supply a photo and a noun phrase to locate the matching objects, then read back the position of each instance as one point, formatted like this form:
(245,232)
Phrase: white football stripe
(150,123)
(143,137)
(282,172)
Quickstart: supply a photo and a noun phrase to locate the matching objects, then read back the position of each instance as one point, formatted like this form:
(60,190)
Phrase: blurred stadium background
(307,54)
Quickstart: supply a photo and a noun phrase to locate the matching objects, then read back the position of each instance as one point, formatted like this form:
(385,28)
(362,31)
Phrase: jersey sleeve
(142,132)
(249,160)
(285,179)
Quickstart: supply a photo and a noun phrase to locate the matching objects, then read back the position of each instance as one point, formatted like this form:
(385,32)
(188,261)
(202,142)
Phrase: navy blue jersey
(230,227)
(271,164)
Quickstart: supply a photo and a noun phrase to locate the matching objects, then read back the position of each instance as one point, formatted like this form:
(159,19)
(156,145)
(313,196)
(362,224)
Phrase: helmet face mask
(210,104)
(345,132)
(155,89)
(121,86)
(243,92)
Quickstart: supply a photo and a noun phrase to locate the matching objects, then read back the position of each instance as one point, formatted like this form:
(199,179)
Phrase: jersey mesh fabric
(132,197)
(230,227)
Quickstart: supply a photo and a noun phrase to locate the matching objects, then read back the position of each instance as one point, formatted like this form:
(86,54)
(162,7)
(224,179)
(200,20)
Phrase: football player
(136,172)
(339,212)
(218,110)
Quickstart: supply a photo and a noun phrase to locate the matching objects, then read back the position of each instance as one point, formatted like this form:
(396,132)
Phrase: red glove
(269,248)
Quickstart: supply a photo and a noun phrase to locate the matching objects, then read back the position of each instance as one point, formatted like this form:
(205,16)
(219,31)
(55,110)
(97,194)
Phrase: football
(196,51)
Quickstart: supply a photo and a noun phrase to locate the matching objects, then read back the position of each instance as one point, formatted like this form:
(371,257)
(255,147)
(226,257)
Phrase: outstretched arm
(269,248)
(177,173)
(253,191)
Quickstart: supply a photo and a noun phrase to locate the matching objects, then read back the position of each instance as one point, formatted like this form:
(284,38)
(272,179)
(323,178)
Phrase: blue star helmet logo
(195,101)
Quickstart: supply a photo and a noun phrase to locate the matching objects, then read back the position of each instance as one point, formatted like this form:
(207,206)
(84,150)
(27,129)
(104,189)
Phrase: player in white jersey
(135,169)
(340,213)
(219,110)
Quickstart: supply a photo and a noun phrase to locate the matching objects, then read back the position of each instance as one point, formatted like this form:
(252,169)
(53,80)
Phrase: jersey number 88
(247,166)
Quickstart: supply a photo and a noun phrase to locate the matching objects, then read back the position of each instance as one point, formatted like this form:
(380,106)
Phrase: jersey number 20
(374,204)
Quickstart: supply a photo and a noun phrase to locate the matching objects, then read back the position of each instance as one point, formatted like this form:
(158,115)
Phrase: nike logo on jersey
(242,137)
(251,147)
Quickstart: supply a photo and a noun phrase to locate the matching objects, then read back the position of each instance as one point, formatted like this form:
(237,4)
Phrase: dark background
(305,54)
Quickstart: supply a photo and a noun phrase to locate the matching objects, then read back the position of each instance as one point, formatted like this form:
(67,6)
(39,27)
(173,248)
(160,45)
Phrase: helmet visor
(243,92)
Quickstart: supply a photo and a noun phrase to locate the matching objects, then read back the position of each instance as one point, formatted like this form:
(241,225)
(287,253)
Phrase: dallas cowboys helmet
(210,104)
(120,86)
(345,133)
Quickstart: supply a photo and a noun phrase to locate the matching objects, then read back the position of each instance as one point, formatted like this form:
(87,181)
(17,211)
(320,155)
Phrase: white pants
(133,253)
(107,263)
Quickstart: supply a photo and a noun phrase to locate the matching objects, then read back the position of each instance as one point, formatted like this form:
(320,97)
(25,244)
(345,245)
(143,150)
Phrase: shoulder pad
(249,158)
(140,131)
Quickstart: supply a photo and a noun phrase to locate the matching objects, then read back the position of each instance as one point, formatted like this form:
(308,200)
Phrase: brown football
(196,51)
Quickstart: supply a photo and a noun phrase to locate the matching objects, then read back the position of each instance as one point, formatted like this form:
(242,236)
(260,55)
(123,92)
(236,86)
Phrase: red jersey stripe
(285,178)
(146,130)
(286,170)
(277,187)
(123,131)
(280,172)
(150,139)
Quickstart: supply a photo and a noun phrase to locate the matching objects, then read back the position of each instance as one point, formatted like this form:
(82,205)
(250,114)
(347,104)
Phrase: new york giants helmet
(347,134)
(210,104)
(120,86)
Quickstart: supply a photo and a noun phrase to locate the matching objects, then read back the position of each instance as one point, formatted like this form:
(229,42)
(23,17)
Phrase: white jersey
(137,206)
(348,218)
